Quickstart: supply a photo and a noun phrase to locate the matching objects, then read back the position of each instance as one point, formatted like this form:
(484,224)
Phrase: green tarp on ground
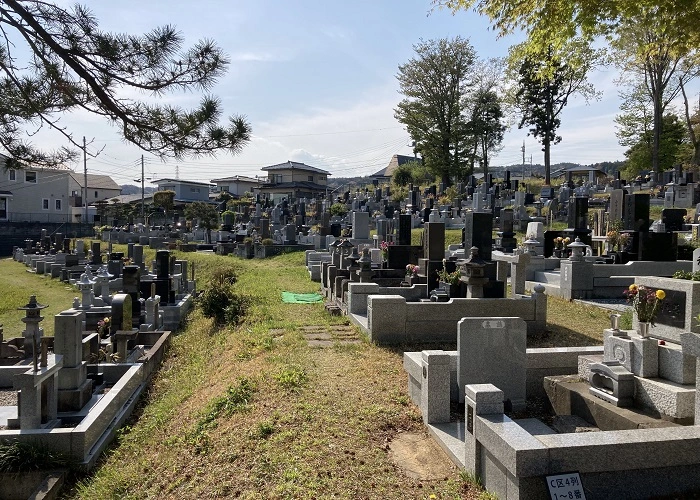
(301,298)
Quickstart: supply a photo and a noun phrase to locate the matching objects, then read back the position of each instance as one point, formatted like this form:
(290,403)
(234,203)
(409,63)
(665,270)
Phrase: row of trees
(654,43)
(456,106)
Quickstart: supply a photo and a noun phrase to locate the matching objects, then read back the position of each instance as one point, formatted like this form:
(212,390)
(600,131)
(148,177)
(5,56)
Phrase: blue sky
(316,79)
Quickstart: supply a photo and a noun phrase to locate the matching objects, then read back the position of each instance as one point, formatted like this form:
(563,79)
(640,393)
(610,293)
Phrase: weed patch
(292,378)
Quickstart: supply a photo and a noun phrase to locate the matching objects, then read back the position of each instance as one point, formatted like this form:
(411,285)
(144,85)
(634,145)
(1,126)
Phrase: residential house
(294,180)
(236,186)
(385,174)
(36,194)
(185,191)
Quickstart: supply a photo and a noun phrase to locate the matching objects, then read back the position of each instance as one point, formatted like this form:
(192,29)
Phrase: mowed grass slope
(253,412)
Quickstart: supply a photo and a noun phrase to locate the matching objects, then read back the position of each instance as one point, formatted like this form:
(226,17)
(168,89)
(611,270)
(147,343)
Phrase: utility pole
(523,150)
(143,180)
(85,199)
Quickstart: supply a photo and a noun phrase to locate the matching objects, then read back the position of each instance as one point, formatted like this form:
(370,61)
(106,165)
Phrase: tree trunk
(658,115)
(691,131)
(547,148)
(657,136)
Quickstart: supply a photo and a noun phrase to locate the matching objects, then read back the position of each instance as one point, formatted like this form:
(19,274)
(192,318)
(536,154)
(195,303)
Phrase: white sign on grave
(566,485)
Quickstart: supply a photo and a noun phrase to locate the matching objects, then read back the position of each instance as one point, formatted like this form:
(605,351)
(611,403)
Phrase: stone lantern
(344,249)
(352,263)
(577,249)
(530,245)
(102,279)
(365,263)
(85,285)
(538,206)
(335,252)
(473,274)
(32,333)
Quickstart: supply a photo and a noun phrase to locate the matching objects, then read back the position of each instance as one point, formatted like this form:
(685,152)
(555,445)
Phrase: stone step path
(328,336)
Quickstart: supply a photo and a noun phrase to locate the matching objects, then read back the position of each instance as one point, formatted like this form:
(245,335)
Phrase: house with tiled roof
(294,180)
(396,161)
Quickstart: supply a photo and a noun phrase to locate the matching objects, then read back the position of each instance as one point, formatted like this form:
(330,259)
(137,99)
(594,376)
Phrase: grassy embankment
(252,411)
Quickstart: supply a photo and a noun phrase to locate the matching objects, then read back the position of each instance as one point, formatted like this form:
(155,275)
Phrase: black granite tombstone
(478,227)
(131,284)
(404,236)
(673,218)
(578,212)
(162,263)
(636,212)
(434,240)
(96,253)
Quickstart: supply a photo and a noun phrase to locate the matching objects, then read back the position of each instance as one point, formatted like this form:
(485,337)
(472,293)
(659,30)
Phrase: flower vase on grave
(452,291)
(643,329)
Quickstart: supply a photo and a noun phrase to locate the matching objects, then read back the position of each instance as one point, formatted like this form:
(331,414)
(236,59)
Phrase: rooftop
(295,165)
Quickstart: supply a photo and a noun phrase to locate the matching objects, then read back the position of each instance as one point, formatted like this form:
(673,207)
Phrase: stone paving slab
(322,336)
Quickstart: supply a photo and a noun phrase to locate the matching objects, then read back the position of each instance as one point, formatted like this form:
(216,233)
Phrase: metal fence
(14,233)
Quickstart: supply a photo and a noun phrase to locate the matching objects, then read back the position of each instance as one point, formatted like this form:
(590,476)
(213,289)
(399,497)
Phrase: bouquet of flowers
(103,327)
(412,270)
(645,301)
(560,243)
(384,247)
(617,240)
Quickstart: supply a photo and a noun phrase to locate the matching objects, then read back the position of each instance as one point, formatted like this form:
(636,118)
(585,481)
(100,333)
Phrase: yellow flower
(660,294)
(633,287)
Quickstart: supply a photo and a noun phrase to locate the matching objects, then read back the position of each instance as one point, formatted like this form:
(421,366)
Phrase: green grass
(18,285)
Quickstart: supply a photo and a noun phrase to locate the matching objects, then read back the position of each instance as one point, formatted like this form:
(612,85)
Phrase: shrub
(267,241)
(224,275)
(338,209)
(221,302)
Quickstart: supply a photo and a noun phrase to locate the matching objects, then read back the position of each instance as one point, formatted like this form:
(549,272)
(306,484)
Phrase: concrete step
(552,277)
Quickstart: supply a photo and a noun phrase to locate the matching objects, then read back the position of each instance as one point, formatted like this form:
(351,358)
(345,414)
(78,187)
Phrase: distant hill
(133,189)
(609,167)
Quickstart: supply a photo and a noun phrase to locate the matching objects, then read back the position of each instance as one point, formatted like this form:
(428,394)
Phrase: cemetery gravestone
(478,228)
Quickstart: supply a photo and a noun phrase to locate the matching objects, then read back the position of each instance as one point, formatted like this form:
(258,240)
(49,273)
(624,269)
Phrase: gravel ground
(8,398)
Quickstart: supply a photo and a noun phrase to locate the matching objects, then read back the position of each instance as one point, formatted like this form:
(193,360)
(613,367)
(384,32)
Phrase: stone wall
(391,319)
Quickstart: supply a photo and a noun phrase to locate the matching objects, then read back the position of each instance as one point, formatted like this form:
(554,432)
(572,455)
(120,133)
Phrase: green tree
(73,65)
(434,84)
(486,124)
(649,58)
(636,117)
(555,22)
(544,85)
(403,175)
(165,200)
(206,215)
(673,148)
